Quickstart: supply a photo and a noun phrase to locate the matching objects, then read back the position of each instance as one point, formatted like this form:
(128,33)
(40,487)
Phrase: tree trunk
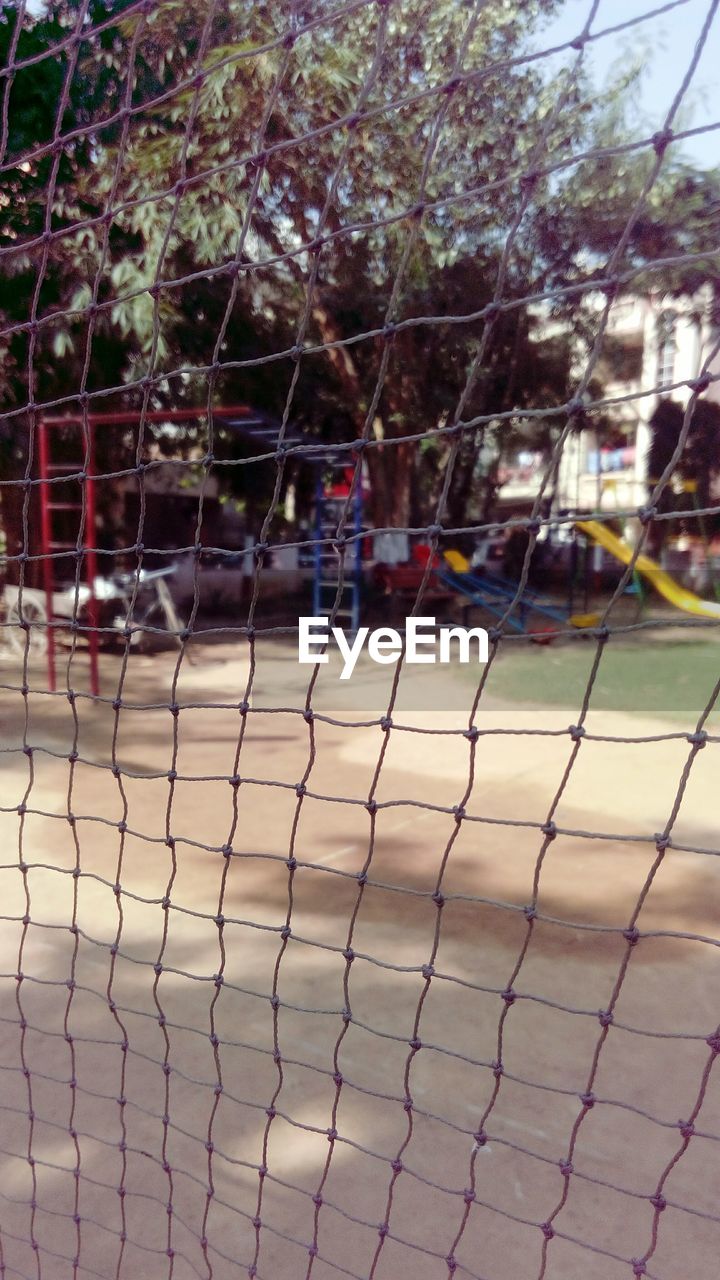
(401,484)
(389,467)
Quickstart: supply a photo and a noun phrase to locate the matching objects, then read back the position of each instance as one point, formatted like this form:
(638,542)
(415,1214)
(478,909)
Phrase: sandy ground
(293,1072)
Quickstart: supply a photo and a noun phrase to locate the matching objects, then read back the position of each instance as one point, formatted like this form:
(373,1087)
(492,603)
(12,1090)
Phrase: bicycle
(140,601)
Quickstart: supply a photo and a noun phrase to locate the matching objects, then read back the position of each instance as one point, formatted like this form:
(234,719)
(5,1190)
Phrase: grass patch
(663,678)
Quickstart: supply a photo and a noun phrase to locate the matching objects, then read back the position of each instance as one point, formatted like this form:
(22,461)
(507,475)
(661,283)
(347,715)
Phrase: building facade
(656,346)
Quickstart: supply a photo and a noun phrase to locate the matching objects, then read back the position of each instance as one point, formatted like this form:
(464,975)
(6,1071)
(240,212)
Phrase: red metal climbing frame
(54,475)
(54,548)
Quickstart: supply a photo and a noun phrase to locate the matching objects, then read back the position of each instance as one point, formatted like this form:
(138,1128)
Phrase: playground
(397,960)
(538,579)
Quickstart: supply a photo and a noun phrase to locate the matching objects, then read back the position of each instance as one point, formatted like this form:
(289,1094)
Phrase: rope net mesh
(289,992)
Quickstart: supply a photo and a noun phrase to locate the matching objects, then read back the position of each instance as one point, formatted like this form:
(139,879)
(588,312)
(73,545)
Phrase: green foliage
(234,183)
(586,211)
(699,463)
(42,191)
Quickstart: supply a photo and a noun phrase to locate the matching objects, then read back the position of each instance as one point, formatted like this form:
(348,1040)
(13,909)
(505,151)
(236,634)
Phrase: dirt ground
(355,1084)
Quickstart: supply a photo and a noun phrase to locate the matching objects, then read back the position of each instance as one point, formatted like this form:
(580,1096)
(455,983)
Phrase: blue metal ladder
(330,563)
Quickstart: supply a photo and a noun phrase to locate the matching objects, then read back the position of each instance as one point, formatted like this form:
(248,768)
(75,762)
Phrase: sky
(667,41)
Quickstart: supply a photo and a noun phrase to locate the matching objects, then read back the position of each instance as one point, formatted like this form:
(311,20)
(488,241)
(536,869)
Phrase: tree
(33,96)
(698,467)
(347,190)
(367,173)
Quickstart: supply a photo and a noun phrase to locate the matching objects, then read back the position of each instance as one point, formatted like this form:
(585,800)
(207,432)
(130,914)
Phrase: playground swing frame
(84,471)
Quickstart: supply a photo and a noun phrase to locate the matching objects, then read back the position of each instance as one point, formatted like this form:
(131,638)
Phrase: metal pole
(45,540)
(91,558)
(318,547)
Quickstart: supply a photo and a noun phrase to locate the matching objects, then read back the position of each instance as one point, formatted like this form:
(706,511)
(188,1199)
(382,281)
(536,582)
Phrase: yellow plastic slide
(662,582)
